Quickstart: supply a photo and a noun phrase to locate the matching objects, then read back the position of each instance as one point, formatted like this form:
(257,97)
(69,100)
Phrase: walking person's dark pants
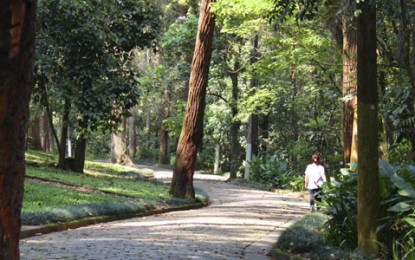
(314,194)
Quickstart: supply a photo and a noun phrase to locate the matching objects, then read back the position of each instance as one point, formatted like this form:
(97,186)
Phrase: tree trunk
(46,133)
(35,142)
(264,132)
(235,125)
(252,136)
(349,88)
(217,159)
(77,164)
(192,129)
(368,180)
(163,132)
(62,163)
(132,134)
(386,122)
(119,149)
(17,39)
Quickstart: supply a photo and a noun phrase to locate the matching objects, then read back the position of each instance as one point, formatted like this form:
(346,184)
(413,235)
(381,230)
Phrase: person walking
(314,179)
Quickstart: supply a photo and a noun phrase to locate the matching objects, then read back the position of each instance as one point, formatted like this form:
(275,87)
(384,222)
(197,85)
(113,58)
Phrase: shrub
(340,200)
(397,210)
(274,173)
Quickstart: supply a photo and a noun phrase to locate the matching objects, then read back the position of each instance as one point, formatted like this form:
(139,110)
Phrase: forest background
(112,77)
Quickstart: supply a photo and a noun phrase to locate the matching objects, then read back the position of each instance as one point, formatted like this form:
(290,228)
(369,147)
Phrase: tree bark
(192,129)
(368,180)
(349,52)
(119,149)
(17,41)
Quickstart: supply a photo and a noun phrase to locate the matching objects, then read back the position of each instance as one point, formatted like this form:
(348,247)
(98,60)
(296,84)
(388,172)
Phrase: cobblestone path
(240,223)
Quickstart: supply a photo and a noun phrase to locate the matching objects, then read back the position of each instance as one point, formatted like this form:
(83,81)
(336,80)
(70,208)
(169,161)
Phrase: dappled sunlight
(236,218)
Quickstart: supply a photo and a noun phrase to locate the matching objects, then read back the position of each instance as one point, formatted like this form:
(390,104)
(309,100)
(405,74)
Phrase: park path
(239,223)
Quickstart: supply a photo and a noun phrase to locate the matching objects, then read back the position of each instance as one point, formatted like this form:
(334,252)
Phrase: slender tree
(17,39)
(349,54)
(367,98)
(192,129)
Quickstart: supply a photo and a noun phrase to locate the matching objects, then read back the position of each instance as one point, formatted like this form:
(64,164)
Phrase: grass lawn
(124,190)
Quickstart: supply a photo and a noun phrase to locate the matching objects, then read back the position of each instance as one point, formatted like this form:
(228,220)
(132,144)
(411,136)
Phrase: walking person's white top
(316,176)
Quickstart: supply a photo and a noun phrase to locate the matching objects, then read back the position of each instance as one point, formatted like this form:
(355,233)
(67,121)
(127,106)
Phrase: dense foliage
(397,221)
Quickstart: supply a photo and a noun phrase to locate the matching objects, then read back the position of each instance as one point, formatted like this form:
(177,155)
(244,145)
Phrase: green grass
(128,187)
(48,203)
(45,203)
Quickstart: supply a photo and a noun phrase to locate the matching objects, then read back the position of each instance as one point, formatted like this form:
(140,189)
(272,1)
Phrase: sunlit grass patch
(44,203)
(127,187)
(113,170)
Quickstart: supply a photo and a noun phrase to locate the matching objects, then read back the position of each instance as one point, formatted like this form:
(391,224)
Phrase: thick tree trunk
(17,41)
(349,88)
(119,149)
(368,180)
(192,129)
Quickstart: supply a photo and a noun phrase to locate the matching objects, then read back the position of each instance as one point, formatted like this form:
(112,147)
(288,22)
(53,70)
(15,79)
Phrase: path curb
(56,227)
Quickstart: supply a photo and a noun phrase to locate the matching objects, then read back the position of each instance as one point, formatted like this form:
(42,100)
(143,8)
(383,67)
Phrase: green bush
(274,173)
(396,224)
(306,238)
(340,200)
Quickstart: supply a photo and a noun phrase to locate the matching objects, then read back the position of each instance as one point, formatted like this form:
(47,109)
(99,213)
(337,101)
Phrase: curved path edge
(30,231)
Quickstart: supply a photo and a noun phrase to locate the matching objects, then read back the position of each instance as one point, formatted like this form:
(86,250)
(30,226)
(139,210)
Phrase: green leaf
(410,221)
(401,206)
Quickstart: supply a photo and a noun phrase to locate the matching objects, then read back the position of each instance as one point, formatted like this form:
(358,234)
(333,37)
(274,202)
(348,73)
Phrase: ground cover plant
(305,238)
(53,195)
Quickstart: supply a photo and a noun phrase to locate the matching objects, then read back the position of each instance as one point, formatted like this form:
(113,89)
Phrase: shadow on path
(239,223)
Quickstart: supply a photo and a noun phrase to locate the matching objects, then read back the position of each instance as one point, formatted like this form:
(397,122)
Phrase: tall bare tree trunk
(252,135)
(349,89)
(192,129)
(235,125)
(17,41)
(368,180)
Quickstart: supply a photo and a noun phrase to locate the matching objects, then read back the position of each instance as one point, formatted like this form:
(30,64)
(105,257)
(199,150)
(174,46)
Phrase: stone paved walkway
(240,223)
